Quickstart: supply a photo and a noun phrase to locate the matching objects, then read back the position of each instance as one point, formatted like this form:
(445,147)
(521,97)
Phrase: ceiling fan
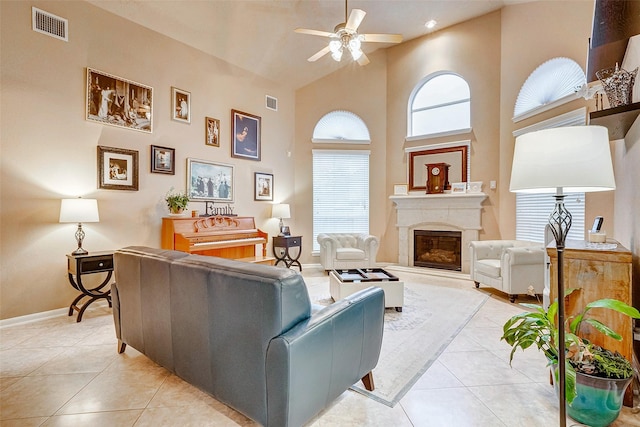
(345,37)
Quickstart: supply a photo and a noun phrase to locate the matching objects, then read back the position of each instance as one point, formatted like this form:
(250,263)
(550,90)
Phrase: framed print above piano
(209,181)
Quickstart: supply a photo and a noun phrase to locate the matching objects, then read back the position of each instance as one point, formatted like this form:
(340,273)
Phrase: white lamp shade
(574,158)
(79,210)
(281,211)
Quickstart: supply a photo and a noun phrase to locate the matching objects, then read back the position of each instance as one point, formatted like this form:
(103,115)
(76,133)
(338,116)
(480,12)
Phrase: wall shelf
(618,120)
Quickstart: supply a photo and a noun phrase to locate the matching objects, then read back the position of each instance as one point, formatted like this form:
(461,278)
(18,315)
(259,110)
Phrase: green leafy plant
(176,201)
(539,328)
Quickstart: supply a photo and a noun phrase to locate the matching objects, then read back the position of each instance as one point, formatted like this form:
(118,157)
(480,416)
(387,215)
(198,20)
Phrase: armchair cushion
(347,250)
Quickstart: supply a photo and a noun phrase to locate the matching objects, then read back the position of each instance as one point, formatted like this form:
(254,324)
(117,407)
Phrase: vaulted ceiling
(258,35)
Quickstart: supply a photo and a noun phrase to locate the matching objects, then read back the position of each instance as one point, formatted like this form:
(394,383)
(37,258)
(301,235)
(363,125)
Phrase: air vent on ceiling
(272,103)
(49,24)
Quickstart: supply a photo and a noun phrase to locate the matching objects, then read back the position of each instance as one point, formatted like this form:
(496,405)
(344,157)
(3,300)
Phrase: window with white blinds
(533,211)
(340,192)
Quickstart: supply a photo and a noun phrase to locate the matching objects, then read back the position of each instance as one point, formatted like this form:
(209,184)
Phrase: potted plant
(176,201)
(596,378)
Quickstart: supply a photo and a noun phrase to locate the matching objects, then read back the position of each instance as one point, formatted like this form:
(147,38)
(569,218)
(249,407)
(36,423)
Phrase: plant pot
(599,400)
(176,211)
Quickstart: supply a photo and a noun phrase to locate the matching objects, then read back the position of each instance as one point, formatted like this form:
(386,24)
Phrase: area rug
(413,339)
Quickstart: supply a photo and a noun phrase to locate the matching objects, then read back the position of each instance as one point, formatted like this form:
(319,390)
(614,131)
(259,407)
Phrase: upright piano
(221,236)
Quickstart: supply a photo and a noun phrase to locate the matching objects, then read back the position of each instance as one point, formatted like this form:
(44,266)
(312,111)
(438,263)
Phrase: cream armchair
(511,266)
(347,250)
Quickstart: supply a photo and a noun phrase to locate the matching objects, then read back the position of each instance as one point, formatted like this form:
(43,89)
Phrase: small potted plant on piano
(176,201)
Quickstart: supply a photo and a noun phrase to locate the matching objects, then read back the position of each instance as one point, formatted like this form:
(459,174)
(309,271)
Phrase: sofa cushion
(489,267)
(349,253)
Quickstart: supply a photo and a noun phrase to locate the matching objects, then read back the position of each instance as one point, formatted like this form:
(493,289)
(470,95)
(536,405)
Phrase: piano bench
(258,259)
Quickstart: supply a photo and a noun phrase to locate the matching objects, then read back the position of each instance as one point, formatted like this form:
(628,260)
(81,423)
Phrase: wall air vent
(49,24)
(272,103)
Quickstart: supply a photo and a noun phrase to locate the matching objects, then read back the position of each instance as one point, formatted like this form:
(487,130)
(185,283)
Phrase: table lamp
(281,211)
(79,210)
(571,159)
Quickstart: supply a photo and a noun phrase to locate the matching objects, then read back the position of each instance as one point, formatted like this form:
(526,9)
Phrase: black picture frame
(163,160)
(263,186)
(245,135)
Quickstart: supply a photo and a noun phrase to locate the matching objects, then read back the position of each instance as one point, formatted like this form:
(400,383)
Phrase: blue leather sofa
(245,333)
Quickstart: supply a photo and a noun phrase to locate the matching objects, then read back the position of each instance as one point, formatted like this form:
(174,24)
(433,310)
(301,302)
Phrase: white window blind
(533,211)
(340,192)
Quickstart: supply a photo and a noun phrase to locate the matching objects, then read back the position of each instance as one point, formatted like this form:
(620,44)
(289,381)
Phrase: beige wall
(49,149)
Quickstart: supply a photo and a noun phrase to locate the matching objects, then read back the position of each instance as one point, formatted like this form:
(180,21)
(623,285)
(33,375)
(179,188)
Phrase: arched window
(341,126)
(440,103)
(555,82)
(340,176)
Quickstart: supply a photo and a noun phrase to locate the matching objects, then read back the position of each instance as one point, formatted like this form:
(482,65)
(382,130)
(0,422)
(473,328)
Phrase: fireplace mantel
(446,212)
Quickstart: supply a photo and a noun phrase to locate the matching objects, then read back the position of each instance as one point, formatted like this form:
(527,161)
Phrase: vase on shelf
(618,85)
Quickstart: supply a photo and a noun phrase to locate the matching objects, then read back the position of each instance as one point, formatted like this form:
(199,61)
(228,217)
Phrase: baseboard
(43,315)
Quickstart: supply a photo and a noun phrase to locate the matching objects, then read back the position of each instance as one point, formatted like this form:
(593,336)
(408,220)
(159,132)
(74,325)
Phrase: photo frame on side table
(209,181)
(180,105)
(115,101)
(117,168)
(212,132)
(163,160)
(263,186)
(245,135)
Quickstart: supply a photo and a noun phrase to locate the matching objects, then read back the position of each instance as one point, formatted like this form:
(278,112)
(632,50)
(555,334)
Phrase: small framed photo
(115,101)
(284,230)
(400,189)
(212,132)
(263,186)
(475,187)
(163,160)
(245,135)
(117,168)
(209,181)
(458,187)
(181,105)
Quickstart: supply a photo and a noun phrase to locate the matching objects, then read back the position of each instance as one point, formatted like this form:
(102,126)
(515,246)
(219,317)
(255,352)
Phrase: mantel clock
(437,177)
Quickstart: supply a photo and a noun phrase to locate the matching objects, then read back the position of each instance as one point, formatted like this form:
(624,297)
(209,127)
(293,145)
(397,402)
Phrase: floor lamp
(564,159)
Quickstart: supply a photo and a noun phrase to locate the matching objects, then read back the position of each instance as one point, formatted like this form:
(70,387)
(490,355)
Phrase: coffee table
(345,282)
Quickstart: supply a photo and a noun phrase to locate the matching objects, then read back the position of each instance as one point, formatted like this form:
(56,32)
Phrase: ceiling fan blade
(363,60)
(322,52)
(313,32)
(381,38)
(355,18)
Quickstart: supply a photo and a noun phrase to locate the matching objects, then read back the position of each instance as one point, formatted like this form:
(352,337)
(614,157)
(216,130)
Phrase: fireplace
(437,249)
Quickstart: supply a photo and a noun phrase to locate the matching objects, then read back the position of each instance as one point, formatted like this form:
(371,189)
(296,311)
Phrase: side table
(92,263)
(281,246)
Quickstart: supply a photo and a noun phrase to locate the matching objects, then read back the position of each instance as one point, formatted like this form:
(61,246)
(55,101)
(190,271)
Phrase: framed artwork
(263,186)
(212,132)
(117,168)
(163,160)
(245,135)
(209,181)
(115,101)
(475,187)
(181,105)
(458,187)
(454,156)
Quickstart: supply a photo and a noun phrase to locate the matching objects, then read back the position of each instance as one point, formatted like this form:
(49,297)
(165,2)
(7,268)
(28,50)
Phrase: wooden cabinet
(598,274)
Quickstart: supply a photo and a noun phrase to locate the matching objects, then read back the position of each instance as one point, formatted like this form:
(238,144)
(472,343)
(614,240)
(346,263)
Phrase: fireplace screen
(437,249)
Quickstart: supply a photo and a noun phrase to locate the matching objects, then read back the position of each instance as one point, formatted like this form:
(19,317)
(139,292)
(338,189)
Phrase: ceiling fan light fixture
(431,23)
(354,44)
(335,46)
(337,55)
(356,54)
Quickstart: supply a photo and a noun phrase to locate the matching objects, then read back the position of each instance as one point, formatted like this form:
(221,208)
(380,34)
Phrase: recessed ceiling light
(430,24)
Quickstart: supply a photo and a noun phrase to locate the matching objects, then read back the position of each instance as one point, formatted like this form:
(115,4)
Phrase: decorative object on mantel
(400,189)
(437,177)
(475,187)
(176,201)
(571,159)
(618,85)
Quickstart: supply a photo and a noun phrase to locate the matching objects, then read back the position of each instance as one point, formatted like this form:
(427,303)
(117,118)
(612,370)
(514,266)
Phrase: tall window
(340,177)
(440,103)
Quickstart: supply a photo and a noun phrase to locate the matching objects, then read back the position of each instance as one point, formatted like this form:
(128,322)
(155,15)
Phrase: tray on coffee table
(365,275)
(345,282)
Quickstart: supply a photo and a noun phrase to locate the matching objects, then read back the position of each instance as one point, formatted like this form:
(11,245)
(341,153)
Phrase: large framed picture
(115,101)
(117,168)
(263,186)
(181,105)
(163,160)
(245,135)
(209,181)
(212,131)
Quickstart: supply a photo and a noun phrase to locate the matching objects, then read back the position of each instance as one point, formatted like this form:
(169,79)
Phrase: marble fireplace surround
(441,212)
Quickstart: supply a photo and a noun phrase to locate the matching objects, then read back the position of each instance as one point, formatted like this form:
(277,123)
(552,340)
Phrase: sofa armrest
(524,255)
(328,247)
(321,357)
(369,244)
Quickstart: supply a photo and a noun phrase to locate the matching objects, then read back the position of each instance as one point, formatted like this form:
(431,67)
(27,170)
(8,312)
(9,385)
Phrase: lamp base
(80,251)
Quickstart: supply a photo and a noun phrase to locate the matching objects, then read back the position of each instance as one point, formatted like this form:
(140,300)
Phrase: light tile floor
(57,372)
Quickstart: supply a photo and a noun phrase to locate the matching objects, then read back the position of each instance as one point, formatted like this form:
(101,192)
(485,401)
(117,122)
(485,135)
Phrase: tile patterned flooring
(57,372)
